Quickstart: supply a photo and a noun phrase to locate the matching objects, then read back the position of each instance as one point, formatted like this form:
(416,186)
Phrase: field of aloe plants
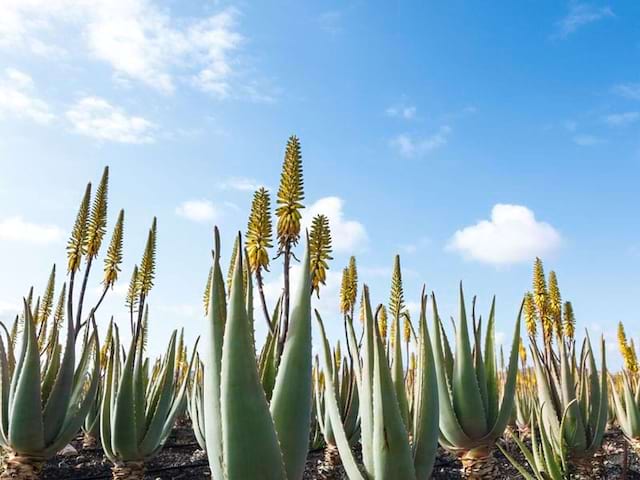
(397,398)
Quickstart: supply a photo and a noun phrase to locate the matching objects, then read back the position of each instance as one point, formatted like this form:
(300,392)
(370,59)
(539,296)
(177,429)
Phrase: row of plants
(399,387)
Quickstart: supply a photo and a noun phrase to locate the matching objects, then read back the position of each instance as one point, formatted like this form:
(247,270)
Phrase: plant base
(128,471)
(584,467)
(479,464)
(22,467)
(332,460)
(89,442)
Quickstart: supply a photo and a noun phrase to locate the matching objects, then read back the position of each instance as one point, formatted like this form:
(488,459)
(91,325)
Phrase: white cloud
(242,184)
(18,229)
(511,235)
(139,39)
(346,235)
(18,99)
(413,147)
(198,210)
(97,118)
(628,90)
(621,119)
(581,14)
(587,140)
(407,112)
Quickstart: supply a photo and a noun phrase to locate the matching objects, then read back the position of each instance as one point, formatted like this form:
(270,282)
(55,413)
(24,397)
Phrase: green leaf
(214,335)
(291,401)
(346,455)
(26,432)
(247,425)
(467,400)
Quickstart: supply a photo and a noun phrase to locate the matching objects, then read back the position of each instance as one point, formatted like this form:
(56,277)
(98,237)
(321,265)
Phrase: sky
(468,137)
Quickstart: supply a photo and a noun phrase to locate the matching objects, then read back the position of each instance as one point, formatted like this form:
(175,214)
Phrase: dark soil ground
(181,458)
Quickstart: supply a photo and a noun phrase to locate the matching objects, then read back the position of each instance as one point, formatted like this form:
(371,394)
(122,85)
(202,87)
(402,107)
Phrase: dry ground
(182,459)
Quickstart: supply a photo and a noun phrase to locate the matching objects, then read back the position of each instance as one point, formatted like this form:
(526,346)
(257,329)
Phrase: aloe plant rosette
(246,438)
(388,454)
(43,404)
(472,415)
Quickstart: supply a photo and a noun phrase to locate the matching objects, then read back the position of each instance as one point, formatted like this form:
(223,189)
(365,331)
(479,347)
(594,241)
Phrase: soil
(181,458)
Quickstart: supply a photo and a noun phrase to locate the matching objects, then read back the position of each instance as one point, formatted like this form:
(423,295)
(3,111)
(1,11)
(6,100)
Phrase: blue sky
(469,137)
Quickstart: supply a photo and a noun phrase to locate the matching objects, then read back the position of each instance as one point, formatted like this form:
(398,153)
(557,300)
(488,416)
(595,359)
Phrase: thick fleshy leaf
(366,387)
(467,400)
(391,450)
(291,401)
(346,455)
(450,429)
(58,400)
(26,432)
(427,410)
(250,443)
(215,325)
(124,431)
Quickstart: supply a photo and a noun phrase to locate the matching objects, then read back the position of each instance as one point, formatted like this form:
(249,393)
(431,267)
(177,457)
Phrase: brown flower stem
(263,300)
(285,327)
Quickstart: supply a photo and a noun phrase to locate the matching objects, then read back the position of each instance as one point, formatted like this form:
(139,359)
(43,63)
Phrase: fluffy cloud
(621,119)
(18,229)
(413,147)
(97,118)
(18,98)
(581,14)
(346,235)
(511,235)
(198,210)
(137,38)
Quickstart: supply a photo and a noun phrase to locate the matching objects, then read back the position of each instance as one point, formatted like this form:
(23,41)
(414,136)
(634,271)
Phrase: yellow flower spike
(627,351)
(290,194)
(146,272)
(97,222)
(569,321)
(382,322)
(113,258)
(345,295)
(353,281)
(207,292)
(76,247)
(47,299)
(530,315)
(320,252)
(396,300)
(523,354)
(555,304)
(406,331)
(131,301)
(541,300)
(259,231)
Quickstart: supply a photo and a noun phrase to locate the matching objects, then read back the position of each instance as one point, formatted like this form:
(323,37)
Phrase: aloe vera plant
(472,414)
(246,437)
(138,407)
(345,386)
(572,391)
(43,401)
(625,389)
(546,458)
(387,451)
